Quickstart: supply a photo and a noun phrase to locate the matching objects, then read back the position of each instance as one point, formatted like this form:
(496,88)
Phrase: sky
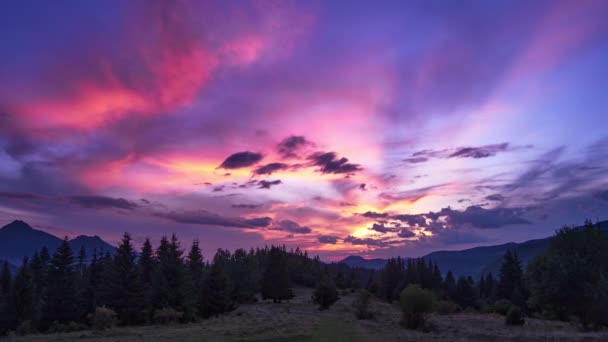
(375,128)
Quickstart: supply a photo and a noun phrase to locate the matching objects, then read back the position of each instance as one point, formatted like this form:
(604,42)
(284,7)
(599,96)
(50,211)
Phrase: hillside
(18,239)
(473,261)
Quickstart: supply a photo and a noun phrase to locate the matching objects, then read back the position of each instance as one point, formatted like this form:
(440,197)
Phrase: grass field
(299,320)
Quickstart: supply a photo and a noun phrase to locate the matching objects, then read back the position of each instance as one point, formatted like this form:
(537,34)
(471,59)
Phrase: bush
(514,316)
(502,306)
(25,328)
(103,318)
(167,316)
(325,294)
(361,305)
(446,307)
(416,303)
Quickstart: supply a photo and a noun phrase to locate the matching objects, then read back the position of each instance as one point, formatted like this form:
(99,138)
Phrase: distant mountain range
(18,239)
(474,261)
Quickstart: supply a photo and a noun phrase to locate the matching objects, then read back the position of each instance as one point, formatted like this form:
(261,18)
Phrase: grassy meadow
(300,320)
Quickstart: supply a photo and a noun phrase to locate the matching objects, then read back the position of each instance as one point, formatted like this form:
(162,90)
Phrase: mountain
(357,261)
(90,244)
(474,261)
(18,239)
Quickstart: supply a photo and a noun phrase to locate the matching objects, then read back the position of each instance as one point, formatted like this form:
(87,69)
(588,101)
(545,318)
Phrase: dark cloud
(416,160)
(479,152)
(369,241)
(289,146)
(259,221)
(102,202)
(218,188)
(411,220)
(363,187)
(406,233)
(21,195)
(329,163)
(291,226)
(381,228)
(241,159)
(327,239)
(495,197)
(246,206)
(373,214)
(479,217)
(264,184)
(203,217)
(269,169)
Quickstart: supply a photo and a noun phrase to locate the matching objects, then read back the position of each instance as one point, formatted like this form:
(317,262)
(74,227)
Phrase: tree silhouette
(60,302)
(125,286)
(22,294)
(275,283)
(215,293)
(511,284)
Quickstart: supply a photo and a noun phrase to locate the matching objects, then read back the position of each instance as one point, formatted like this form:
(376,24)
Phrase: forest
(62,292)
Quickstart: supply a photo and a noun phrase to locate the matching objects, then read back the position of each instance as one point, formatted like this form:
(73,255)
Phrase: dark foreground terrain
(300,320)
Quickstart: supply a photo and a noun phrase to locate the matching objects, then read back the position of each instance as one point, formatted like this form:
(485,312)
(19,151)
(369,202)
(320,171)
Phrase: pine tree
(195,264)
(449,286)
(5,280)
(172,285)
(241,277)
(215,294)
(60,302)
(6,317)
(490,287)
(125,286)
(275,283)
(511,277)
(146,265)
(466,295)
(22,295)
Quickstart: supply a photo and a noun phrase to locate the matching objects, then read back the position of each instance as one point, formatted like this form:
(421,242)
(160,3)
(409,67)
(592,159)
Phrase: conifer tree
(146,265)
(126,290)
(60,303)
(241,277)
(22,295)
(5,279)
(511,277)
(172,286)
(195,264)
(215,293)
(449,286)
(466,295)
(275,283)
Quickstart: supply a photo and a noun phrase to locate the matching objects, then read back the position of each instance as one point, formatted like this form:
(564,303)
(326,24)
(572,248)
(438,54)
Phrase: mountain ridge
(18,240)
(474,261)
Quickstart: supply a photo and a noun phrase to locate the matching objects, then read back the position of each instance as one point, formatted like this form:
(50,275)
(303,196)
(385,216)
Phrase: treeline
(569,281)
(62,292)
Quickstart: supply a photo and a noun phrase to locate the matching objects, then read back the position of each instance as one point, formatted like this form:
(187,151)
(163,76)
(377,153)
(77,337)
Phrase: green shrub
(325,294)
(361,305)
(167,316)
(416,304)
(514,316)
(446,307)
(103,318)
(502,306)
